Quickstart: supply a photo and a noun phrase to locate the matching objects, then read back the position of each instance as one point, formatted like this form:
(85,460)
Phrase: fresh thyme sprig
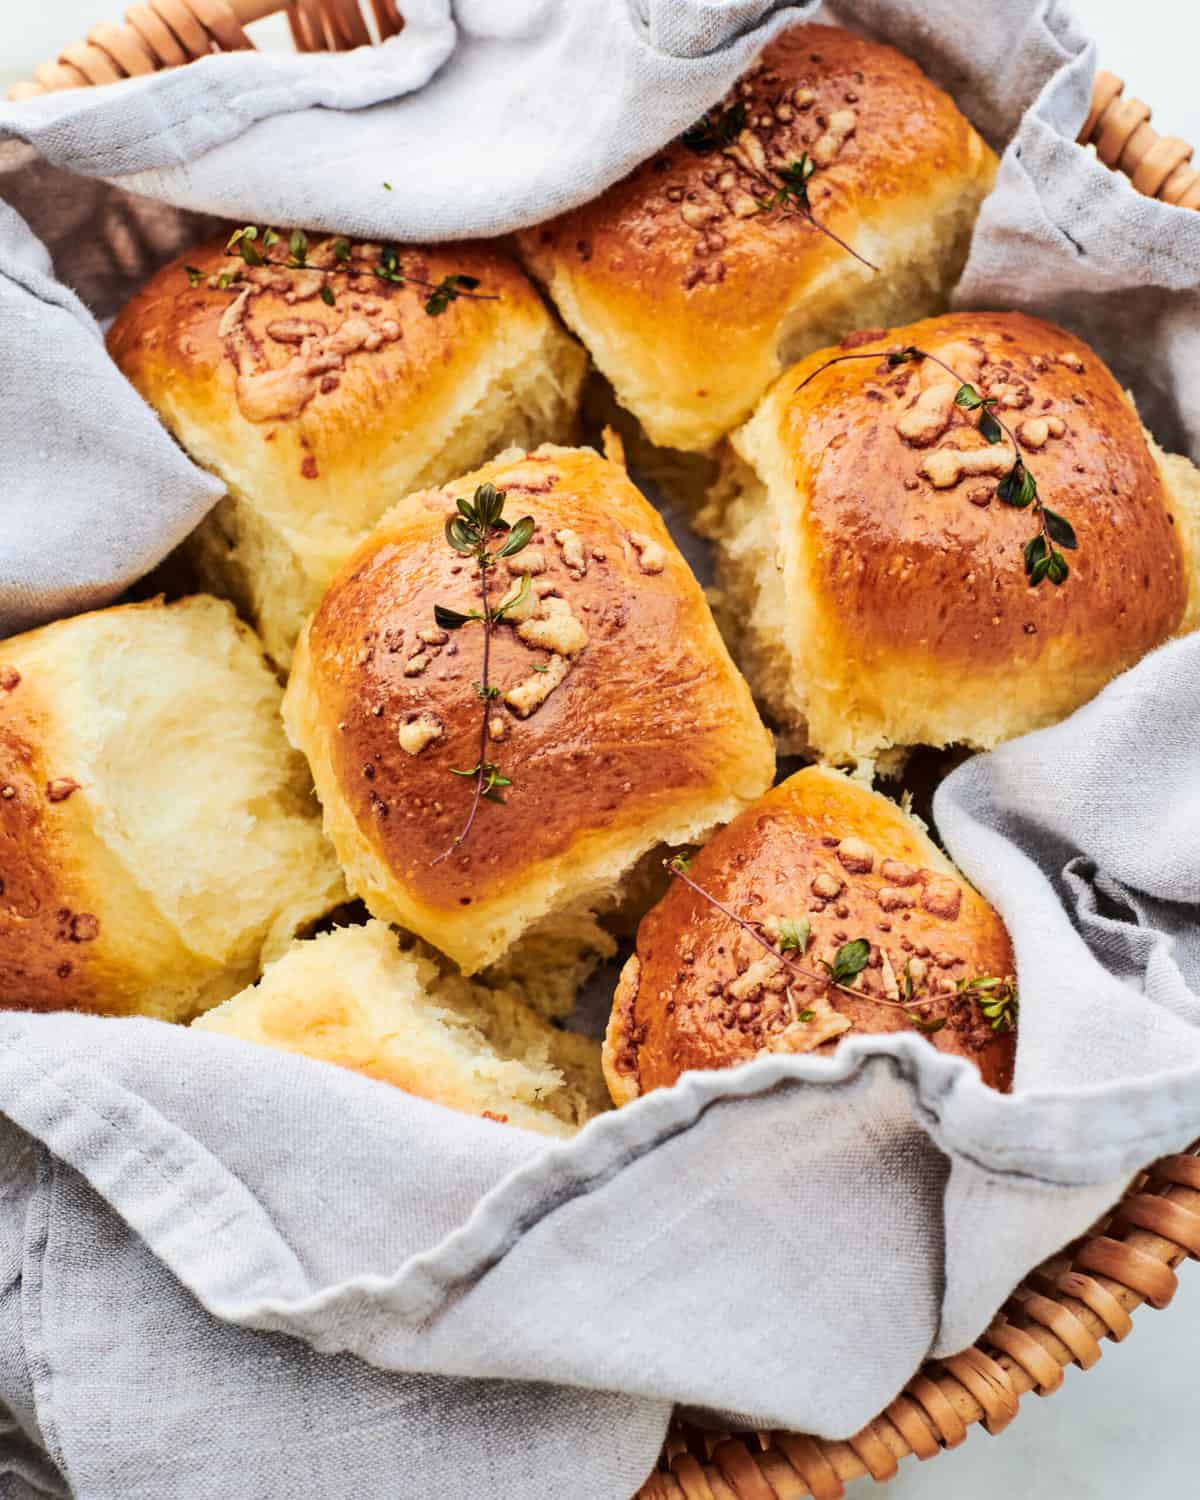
(472,532)
(848,962)
(252,244)
(715,130)
(997,997)
(1017,488)
(786,190)
(791,195)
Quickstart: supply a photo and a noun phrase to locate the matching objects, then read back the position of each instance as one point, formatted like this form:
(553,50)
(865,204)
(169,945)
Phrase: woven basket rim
(1057,1316)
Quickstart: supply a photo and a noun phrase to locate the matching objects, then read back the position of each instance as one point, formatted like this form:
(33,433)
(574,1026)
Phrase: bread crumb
(554,628)
(842,125)
(856,855)
(530,693)
(572,550)
(614,448)
(531,561)
(652,557)
(418,733)
(946,466)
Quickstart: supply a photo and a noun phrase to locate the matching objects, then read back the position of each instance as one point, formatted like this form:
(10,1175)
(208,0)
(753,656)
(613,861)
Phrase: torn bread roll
(159,839)
(353,998)
(617,715)
(319,414)
(693,285)
(876,582)
(832,877)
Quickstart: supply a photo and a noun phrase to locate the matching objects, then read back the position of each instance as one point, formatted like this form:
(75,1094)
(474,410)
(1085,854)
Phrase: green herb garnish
(718,128)
(472,531)
(1017,488)
(997,999)
(449,290)
(849,961)
(250,243)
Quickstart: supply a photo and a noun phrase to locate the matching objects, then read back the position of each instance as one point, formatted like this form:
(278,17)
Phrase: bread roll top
(321,395)
(307,406)
(618,716)
(905,609)
(816,864)
(692,291)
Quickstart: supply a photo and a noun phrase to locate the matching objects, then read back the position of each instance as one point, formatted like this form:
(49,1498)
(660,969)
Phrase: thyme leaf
(717,128)
(849,961)
(1018,487)
(473,531)
(251,243)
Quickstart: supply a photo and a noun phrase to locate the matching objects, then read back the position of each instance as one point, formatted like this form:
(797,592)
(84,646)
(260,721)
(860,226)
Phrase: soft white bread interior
(553,960)
(692,297)
(620,719)
(159,839)
(319,417)
(352,997)
(872,578)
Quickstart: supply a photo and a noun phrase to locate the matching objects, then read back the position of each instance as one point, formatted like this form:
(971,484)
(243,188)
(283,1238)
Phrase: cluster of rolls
(758,309)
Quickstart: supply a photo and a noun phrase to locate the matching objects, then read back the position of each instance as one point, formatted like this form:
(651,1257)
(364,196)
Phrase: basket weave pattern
(1059,1314)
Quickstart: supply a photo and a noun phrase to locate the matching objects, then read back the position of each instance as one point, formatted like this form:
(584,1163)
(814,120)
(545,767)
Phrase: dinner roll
(620,720)
(875,579)
(353,998)
(826,873)
(692,299)
(318,417)
(158,838)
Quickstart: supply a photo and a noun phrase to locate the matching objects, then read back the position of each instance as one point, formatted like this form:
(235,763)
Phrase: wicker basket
(1061,1311)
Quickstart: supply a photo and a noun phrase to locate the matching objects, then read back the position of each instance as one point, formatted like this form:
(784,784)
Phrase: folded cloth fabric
(230,1271)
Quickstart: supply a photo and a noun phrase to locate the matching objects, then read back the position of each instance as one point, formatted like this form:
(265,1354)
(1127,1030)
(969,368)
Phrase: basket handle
(166,33)
(1157,165)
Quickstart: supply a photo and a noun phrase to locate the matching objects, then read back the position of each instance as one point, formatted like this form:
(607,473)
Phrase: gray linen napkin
(226,1271)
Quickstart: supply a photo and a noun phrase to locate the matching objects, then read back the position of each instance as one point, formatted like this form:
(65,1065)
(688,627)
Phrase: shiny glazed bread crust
(691,300)
(318,418)
(646,732)
(823,849)
(880,593)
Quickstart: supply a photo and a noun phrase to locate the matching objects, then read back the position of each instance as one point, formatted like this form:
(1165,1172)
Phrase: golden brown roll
(832,877)
(691,299)
(620,720)
(158,838)
(352,998)
(876,580)
(319,417)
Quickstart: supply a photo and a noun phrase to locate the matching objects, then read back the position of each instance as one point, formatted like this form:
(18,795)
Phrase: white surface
(1123,1430)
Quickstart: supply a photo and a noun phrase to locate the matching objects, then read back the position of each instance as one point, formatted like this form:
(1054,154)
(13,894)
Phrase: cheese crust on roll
(691,298)
(159,840)
(818,863)
(320,417)
(619,719)
(874,580)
